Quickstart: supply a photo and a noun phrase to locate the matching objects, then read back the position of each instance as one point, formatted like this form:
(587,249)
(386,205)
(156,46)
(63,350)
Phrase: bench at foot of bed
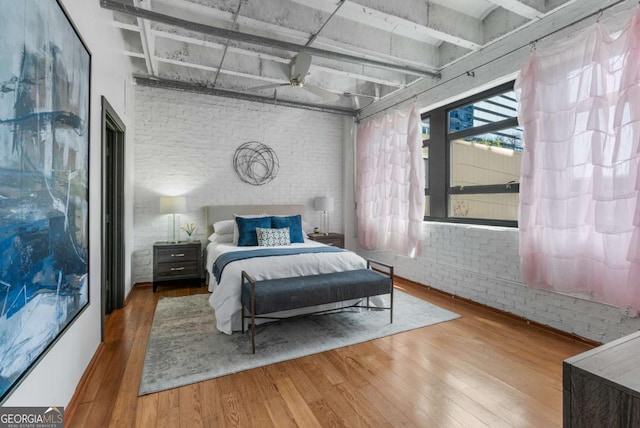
(275,295)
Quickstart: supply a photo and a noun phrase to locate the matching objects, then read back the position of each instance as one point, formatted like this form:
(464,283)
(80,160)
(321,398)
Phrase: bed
(314,258)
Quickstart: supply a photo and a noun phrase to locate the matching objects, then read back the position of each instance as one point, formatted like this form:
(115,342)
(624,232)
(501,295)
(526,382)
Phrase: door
(113,139)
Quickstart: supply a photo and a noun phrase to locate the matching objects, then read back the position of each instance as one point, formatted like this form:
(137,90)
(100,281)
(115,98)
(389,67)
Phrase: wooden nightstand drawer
(177,270)
(176,254)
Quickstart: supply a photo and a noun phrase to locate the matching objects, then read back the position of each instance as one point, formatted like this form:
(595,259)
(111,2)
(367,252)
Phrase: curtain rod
(532,43)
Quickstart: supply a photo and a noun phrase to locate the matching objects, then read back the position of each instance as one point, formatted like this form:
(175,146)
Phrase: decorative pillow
(247,229)
(236,234)
(272,237)
(227,238)
(293,222)
(224,227)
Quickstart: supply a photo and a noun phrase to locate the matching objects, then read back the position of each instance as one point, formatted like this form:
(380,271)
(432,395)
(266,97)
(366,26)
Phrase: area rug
(185,347)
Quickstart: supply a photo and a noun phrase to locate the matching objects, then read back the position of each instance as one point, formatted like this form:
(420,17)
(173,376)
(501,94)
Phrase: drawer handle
(177,255)
(180,268)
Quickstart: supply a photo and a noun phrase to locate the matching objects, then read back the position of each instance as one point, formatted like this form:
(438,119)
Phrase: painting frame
(45,111)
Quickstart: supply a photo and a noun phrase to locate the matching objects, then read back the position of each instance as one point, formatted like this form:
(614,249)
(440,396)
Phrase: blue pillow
(247,229)
(294,223)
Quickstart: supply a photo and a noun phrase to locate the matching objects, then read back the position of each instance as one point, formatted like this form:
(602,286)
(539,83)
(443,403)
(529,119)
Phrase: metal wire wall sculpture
(255,163)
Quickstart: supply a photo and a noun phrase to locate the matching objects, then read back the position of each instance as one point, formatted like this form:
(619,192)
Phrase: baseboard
(73,403)
(143,284)
(514,317)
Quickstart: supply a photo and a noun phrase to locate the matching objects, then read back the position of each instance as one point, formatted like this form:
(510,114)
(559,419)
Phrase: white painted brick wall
(185,143)
(482,264)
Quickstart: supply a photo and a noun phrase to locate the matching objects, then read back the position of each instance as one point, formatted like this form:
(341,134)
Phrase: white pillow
(273,237)
(227,238)
(236,232)
(224,227)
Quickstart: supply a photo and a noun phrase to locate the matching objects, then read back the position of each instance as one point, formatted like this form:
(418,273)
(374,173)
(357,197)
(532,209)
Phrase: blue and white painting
(44,177)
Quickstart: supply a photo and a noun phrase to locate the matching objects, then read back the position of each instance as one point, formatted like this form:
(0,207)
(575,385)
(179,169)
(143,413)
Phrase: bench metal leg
(390,274)
(243,310)
(391,305)
(245,276)
(253,317)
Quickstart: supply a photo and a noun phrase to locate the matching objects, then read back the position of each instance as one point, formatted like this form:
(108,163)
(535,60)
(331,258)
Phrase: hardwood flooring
(482,370)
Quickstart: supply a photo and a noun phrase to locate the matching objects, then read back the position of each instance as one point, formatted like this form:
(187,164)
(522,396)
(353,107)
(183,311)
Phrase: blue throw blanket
(226,258)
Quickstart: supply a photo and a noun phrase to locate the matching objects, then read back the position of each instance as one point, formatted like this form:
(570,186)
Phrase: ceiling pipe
(315,36)
(226,45)
(147,46)
(259,40)
(201,89)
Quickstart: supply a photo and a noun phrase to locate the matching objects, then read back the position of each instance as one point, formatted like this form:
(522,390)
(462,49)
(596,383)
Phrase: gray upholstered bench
(275,295)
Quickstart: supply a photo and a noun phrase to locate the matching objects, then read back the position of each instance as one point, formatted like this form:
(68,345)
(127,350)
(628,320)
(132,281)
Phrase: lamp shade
(323,203)
(173,204)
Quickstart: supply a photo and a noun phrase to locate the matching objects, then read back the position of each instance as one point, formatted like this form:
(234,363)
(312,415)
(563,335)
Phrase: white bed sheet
(225,299)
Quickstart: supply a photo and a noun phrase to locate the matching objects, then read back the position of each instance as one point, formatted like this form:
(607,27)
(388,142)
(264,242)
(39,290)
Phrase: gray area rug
(185,347)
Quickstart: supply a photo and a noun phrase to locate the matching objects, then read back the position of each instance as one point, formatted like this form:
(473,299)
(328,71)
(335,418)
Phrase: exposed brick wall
(184,145)
(482,264)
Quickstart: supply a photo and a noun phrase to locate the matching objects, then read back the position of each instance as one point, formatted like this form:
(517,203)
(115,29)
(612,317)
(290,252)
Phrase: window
(426,135)
(479,143)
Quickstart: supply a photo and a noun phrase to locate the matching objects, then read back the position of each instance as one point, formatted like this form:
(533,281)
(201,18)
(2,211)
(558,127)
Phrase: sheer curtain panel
(390,182)
(579,213)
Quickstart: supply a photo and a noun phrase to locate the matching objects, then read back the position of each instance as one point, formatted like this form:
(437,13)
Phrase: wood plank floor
(482,370)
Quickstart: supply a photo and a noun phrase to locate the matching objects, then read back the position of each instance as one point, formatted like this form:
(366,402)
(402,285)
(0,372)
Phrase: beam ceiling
(362,50)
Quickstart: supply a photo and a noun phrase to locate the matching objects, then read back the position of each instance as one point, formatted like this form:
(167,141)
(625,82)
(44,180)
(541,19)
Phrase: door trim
(110,121)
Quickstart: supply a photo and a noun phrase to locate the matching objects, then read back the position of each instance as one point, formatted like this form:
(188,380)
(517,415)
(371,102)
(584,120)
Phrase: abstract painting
(44,179)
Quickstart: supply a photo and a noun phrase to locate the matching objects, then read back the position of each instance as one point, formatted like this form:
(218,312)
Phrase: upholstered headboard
(215,213)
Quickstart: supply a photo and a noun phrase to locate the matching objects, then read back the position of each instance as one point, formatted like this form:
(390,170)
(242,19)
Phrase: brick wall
(185,142)
(482,264)
(184,145)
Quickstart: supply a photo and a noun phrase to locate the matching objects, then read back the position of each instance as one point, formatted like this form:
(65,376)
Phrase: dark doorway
(113,139)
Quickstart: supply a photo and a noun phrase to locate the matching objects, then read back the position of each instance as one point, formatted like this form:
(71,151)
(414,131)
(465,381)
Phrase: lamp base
(172,238)
(325,223)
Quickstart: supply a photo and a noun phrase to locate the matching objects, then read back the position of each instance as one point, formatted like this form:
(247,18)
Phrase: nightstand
(333,239)
(176,261)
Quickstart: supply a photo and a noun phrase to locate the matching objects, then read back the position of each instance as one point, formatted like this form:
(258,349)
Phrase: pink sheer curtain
(390,182)
(579,212)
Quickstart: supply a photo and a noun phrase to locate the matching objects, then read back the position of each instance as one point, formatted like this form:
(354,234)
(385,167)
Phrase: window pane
(494,206)
(425,157)
(510,138)
(475,163)
(489,110)
(426,128)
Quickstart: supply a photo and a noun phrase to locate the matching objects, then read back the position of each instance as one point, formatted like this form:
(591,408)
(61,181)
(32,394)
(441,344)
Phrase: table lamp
(173,205)
(324,204)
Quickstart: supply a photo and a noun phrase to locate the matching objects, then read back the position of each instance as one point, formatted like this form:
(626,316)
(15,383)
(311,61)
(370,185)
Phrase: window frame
(427,143)
(440,143)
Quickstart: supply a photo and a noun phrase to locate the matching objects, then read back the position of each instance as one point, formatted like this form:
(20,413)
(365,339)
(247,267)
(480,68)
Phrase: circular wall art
(255,163)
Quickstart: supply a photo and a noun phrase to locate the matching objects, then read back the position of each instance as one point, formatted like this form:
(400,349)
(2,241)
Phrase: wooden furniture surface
(601,387)
(333,239)
(174,261)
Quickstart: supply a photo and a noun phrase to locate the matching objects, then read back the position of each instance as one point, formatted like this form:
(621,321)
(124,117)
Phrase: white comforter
(225,299)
